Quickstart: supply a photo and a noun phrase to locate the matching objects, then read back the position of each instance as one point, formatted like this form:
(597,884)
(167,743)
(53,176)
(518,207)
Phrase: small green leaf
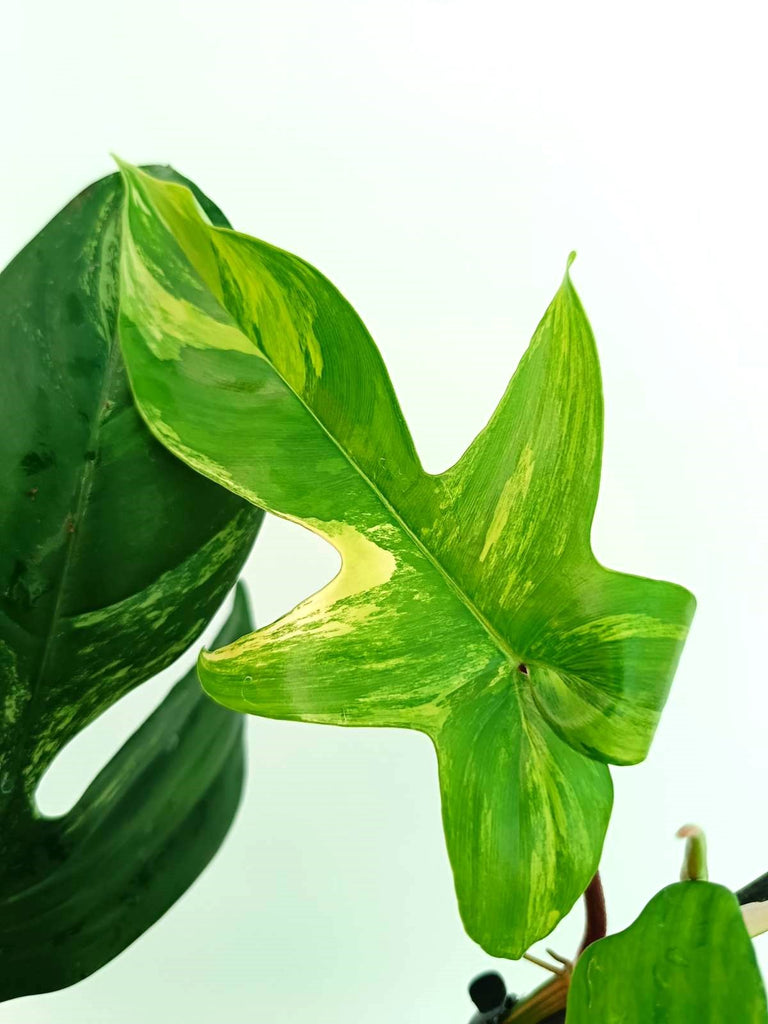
(114,554)
(469,605)
(687,958)
(135,841)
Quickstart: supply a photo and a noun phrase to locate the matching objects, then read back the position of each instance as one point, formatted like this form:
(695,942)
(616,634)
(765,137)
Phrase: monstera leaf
(687,958)
(114,554)
(136,840)
(469,605)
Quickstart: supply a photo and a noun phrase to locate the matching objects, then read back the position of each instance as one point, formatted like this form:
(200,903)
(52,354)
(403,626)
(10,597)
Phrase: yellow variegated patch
(469,605)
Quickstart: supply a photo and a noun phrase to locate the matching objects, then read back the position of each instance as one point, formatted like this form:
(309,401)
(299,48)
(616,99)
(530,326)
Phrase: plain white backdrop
(438,159)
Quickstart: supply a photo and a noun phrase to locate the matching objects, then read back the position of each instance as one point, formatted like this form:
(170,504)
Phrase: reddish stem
(596,925)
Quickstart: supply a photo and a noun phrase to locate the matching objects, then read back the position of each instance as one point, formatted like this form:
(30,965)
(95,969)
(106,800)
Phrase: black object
(755,892)
(489,994)
(488,991)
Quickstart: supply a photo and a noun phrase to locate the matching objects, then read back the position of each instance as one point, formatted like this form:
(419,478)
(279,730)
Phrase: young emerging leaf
(469,605)
(687,958)
(114,557)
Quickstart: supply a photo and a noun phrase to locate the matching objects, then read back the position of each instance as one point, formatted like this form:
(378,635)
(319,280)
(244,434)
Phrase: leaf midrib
(452,584)
(82,489)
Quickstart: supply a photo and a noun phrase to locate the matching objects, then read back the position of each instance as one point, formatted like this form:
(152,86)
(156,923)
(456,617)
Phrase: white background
(438,159)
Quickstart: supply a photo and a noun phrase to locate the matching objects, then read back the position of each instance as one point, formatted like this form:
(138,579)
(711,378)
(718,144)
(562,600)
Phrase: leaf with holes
(469,604)
(688,957)
(114,554)
(135,841)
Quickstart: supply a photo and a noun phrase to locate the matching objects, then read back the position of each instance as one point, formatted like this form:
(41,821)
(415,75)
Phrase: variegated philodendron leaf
(687,958)
(102,874)
(469,605)
(114,556)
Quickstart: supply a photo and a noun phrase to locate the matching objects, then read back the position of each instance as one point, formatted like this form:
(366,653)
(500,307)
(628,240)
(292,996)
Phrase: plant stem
(543,1003)
(596,924)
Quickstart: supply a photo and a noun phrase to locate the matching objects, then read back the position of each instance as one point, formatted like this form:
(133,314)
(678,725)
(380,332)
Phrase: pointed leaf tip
(122,164)
(127,169)
(568,265)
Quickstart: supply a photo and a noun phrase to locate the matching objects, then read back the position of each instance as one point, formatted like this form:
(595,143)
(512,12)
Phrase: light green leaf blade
(526,841)
(688,957)
(600,646)
(454,589)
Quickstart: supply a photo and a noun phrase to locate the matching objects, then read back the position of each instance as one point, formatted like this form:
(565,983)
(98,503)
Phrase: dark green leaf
(136,840)
(114,554)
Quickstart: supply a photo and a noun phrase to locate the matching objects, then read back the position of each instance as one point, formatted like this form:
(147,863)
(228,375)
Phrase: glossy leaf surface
(687,958)
(469,605)
(136,840)
(114,554)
